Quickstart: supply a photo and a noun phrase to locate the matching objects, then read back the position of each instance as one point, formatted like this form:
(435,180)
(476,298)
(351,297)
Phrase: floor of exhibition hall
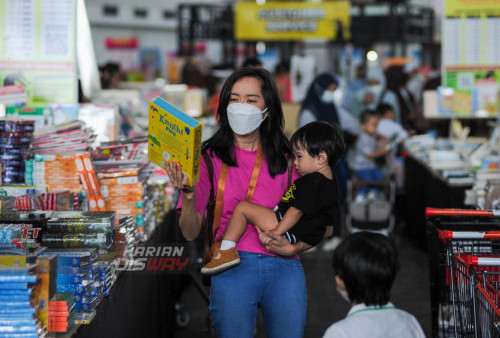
(325,306)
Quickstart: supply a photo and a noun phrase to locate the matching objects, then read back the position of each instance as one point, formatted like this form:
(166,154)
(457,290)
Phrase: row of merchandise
(472,164)
(72,214)
(56,267)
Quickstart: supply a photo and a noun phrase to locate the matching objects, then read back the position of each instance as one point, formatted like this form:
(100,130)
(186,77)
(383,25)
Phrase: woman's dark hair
(274,142)
(252,62)
(367,262)
(319,136)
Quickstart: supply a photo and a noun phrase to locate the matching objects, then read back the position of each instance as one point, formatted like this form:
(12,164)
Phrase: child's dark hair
(384,108)
(319,136)
(367,262)
(366,114)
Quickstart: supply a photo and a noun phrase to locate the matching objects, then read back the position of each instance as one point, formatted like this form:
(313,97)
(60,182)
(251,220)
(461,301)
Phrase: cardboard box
(89,181)
(119,180)
(173,135)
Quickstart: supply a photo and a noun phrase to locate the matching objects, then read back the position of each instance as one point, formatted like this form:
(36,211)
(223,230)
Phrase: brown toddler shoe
(222,260)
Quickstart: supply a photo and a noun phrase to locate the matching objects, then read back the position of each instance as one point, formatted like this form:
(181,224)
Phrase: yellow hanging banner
(472,7)
(292,20)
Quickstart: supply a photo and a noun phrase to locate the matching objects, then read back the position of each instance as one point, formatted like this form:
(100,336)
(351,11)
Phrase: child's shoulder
(315,177)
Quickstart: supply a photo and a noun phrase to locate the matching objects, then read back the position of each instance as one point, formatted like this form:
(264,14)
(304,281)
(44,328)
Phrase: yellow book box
(173,135)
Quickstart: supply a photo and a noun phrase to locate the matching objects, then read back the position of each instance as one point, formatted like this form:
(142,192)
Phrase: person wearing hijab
(375,93)
(318,104)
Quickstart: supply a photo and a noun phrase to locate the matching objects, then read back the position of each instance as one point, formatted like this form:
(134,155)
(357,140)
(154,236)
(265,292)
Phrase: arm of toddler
(377,153)
(290,218)
(279,245)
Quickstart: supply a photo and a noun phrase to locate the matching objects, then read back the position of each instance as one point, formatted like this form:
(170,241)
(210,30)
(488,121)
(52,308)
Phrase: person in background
(358,83)
(407,105)
(249,143)
(422,124)
(319,104)
(191,75)
(365,152)
(415,82)
(282,78)
(110,74)
(365,265)
(388,127)
(395,134)
(375,93)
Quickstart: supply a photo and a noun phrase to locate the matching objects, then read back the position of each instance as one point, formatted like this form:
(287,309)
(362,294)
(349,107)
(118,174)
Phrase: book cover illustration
(174,135)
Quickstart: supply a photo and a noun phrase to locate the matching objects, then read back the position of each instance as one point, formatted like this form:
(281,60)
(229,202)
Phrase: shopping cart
(474,292)
(456,220)
(488,312)
(473,260)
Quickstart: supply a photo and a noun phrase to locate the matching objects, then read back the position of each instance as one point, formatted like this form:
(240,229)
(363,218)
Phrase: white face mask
(376,89)
(244,118)
(328,96)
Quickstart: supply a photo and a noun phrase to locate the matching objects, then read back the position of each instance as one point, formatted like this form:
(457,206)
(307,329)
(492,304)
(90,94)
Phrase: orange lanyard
(222,185)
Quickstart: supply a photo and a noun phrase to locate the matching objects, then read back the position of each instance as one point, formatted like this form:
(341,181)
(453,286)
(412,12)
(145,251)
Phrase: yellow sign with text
(472,7)
(292,20)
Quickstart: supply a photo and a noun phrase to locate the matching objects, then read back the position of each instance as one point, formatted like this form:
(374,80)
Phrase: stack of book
(56,172)
(17,306)
(79,273)
(73,267)
(107,275)
(122,169)
(67,138)
(13,95)
(125,196)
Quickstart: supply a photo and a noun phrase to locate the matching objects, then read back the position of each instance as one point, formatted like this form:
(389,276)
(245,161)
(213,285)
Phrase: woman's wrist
(188,189)
(188,192)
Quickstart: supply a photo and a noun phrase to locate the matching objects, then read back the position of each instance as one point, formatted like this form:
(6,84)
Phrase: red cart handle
(482,261)
(460,212)
(447,234)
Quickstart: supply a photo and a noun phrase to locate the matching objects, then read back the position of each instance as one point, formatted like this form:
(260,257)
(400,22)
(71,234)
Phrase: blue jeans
(277,284)
(369,175)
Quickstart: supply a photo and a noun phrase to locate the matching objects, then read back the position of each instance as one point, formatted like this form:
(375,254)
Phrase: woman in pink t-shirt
(270,276)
